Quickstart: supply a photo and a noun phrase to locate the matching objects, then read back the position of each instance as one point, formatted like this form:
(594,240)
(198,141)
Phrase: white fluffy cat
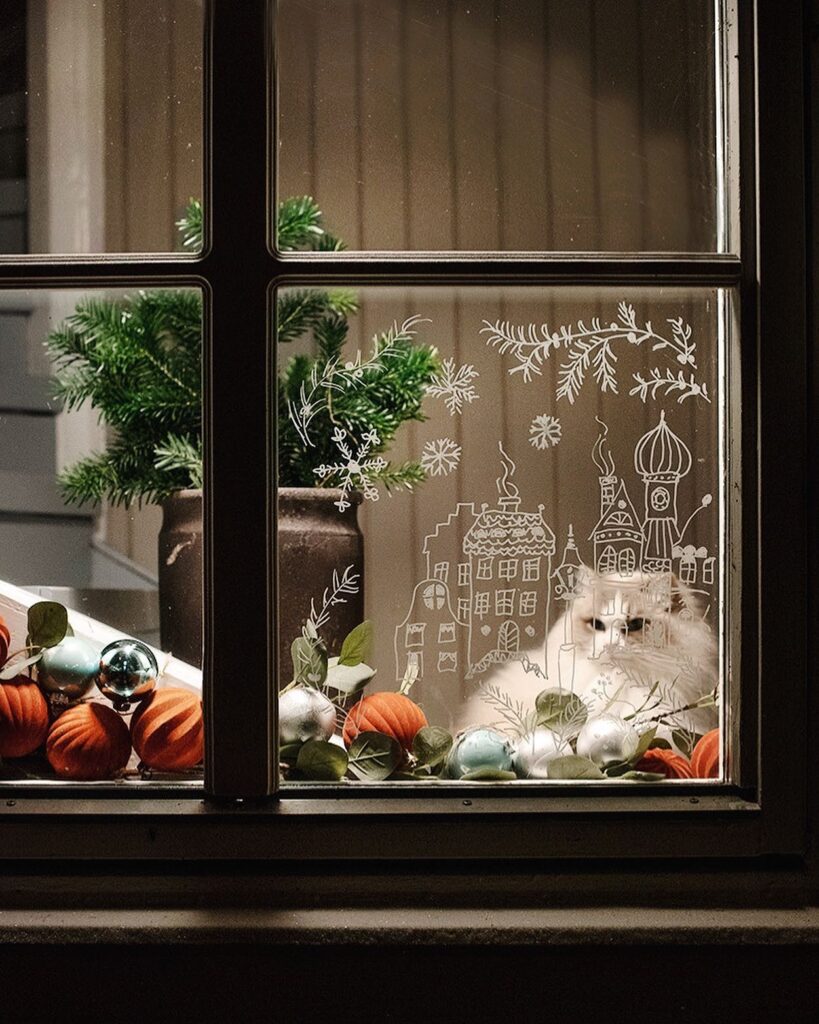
(633,652)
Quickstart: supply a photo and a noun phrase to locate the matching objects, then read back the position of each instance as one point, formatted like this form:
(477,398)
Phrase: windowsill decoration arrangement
(72,711)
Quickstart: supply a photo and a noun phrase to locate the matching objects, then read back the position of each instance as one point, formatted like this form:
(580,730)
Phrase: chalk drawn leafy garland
(589,351)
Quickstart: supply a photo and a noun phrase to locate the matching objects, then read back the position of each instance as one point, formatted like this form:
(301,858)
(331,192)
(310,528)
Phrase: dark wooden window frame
(239,816)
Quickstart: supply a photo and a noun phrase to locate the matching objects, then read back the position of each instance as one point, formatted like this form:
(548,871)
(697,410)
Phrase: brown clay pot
(315,539)
(180,576)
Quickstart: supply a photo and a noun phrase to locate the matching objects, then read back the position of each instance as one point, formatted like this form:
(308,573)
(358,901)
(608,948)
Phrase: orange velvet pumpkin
(168,730)
(665,762)
(23,717)
(394,714)
(88,742)
(5,640)
(705,756)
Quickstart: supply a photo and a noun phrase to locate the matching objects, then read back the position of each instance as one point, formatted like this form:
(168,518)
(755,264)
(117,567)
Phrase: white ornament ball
(607,740)
(305,714)
(535,750)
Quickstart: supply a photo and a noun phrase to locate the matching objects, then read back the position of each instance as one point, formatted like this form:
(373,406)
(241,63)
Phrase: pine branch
(190,226)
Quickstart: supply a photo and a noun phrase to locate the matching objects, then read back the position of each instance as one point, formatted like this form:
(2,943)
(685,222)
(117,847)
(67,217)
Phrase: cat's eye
(634,625)
(597,624)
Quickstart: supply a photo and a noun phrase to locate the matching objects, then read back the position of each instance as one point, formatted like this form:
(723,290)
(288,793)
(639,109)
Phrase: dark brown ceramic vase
(180,576)
(315,540)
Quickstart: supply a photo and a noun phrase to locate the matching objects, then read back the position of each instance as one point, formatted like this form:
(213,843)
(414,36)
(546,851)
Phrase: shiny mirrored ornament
(67,671)
(534,752)
(305,714)
(607,740)
(480,748)
(128,672)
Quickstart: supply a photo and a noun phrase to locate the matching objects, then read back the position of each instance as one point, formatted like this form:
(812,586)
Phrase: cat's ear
(682,596)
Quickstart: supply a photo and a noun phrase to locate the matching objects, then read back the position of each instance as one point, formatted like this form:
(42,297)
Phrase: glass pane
(521,491)
(505,125)
(101,552)
(100,124)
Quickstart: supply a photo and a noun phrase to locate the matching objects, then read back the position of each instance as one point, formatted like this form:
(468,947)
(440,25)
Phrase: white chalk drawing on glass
(455,386)
(545,432)
(492,599)
(632,638)
(589,350)
(356,470)
(337,375)
(440,457)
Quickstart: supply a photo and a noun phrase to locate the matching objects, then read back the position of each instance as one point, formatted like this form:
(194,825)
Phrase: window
(464,574)
(446,633)
(504,602)
(531,570)
(485,569)
(442,571)
(676,249)
(463,609)
(448,661)
(415,634)
(528,602)
(508,568)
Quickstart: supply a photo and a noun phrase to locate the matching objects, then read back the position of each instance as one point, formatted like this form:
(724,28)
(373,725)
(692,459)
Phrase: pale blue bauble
(479,748)
(534,752)
(69,669)
(607,740)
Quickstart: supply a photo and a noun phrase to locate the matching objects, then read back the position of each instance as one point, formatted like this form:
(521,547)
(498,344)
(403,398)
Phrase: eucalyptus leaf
(290,752)
(557,709)
(322,761)
(358,645)
(348,679)
(613,771)
(643,776)
(573,767)
(643,744)
(431,745)
(309,662)
(17,666)
(373,756)
(658,743)
(488,774)
(47,624)
(685,740)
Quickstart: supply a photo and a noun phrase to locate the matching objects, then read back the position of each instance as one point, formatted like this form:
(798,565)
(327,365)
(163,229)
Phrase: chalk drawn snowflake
(545,432)
(354,471)
(454,386)
(440,457)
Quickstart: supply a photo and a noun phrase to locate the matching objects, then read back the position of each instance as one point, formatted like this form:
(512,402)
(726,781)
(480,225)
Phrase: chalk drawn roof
(661,453)
(619,519)
(509,533)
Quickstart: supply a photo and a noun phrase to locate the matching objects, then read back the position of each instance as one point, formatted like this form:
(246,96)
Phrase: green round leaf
(373,756)
(358,645)
(431,745)
(289,753)
(643,776)
(322,761)
(561,711)
(573,767)
(658,743)
(488,774)
(47,624)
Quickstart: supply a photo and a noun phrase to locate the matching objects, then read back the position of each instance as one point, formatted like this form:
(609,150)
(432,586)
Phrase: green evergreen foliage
(137,361)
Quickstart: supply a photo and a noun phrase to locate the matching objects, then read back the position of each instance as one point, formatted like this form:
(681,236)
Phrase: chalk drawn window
(442,571)
(464,574)
(446,633)
(528,602)
(448,661)
(484,569)
(415,634)
(504,602)
(482,604)
(507,568)
(531,570)
(435,596)
(464,605)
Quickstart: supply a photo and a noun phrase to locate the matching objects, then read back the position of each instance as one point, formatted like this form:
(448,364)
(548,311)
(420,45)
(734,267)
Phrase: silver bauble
(305,714)
(127,672)
(607,740)
(67,671)
(534,752)
(479,748)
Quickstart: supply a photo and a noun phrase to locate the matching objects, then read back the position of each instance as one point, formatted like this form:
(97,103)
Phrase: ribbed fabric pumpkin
(23,717)
(705,756)
(5,640)
(168,731)
(394,714)
(88,742)
(665,762)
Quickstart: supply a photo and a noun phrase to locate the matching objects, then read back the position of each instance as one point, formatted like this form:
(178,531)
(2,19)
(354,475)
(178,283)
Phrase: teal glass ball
(69,670)
(479,748)
(128,672)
